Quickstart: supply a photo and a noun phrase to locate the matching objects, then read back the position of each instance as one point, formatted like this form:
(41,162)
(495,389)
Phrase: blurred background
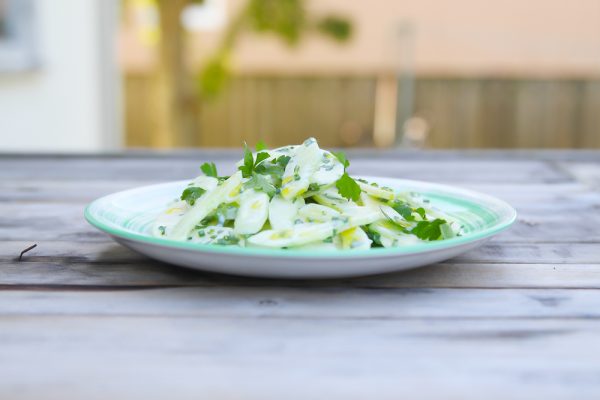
(102,75)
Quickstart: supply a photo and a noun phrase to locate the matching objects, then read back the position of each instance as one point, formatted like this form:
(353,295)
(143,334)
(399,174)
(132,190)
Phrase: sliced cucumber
(253,212)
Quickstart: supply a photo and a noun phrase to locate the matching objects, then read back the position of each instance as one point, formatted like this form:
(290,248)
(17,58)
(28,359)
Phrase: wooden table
(81,317)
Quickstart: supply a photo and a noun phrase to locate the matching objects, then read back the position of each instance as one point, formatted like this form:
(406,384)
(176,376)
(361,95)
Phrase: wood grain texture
(103,251)
(58,274)
(329,303)
(160,169)
(187,358)
(480,112)
(82,317)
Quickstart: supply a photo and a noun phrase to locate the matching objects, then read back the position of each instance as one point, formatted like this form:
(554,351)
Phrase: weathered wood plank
(308,302)
(106,251)
(508,311)
(557,228)
(61,191)
(71,274)
(588,173)
(160,169)
(186,358)
(216,153)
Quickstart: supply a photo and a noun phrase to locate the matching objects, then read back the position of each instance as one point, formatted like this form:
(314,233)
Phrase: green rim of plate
(505,220)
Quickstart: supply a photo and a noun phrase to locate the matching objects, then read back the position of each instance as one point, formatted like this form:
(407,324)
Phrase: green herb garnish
(260,145)
(209,169)
(250,163)
(348,188)
(341,156)
(275,168)
(404,210)
(314,187)
(227,240)
(428,230)
(191,194)
(407,212)
(262,183)
(421,212)
(375,237)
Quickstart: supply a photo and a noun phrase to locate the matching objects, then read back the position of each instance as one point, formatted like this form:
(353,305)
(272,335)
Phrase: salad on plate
(299,197)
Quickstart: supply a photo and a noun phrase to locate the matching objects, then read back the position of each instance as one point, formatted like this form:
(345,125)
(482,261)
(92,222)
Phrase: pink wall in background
(459,37)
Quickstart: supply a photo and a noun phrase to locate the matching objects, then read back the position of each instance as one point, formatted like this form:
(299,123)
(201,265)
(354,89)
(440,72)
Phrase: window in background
(17,44)
(210,15)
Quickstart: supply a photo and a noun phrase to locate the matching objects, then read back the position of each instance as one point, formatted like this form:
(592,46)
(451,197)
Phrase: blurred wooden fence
(465,113)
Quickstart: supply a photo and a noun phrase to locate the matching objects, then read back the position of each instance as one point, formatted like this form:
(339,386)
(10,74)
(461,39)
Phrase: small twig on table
(26,250)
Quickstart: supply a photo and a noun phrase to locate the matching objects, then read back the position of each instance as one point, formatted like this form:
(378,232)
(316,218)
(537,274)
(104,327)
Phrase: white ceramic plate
(127,216)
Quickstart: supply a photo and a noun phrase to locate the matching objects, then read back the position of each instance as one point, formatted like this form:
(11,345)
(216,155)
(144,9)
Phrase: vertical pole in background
(386,98)
(394,93)
(109,83)
(406,77)
(170,76)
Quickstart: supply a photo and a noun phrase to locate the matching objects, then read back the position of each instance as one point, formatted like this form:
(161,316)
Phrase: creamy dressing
(291,197)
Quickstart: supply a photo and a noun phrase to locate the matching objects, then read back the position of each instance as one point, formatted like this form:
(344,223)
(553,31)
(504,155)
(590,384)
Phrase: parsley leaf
(192,194)
(348,188)
(342,157)
(269,169)
(428,230)
(260,182)
(375,238)
(263,155)
(275,168)
(261,146)
(404,210)
(395,220)
(250,163)
(283,161)
(407,212)
(421,212)
(209,169)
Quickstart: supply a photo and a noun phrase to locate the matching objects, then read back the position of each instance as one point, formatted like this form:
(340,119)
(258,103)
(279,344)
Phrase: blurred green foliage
(286,19)
(213,77)
(337,28)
